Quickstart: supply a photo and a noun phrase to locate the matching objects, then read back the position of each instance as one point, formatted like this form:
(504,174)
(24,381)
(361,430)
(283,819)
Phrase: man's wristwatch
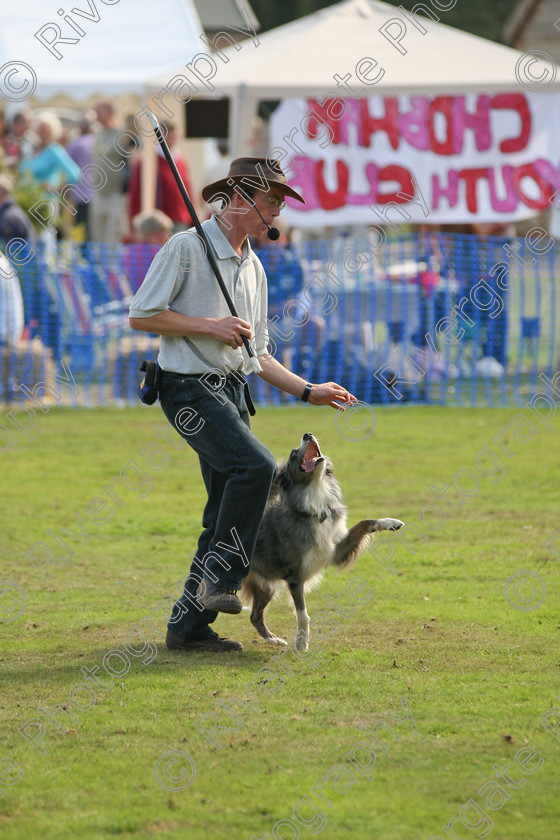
(306,392)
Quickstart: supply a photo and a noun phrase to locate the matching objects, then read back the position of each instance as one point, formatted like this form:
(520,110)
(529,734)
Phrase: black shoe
(218,598)
(214,643)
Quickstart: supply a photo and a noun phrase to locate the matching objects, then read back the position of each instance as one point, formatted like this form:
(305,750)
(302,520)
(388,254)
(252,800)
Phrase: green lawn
(475,672)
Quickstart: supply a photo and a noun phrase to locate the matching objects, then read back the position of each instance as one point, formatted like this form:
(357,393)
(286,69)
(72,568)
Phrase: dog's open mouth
(311,457)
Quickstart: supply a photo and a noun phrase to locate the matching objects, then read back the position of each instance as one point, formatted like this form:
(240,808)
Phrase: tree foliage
(480,17)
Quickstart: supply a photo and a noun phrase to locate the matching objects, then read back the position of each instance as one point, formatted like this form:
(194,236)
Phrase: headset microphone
(272,233)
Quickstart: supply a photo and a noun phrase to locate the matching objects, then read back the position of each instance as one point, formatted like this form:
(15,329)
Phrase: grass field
(476,672)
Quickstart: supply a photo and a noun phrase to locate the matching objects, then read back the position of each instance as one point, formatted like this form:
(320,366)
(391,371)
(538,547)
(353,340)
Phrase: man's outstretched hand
(324,393)
(330,393)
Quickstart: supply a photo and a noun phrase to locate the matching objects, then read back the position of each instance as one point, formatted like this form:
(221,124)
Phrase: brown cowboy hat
(250,171)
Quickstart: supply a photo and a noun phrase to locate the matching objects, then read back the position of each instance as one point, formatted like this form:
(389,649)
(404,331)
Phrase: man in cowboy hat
(201,350)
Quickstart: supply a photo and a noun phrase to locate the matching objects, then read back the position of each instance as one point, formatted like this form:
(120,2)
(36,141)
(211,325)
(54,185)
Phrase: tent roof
(301,58)
(117,54)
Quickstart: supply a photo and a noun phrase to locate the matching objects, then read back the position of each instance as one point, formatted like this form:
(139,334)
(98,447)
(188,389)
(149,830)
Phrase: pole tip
(153,120)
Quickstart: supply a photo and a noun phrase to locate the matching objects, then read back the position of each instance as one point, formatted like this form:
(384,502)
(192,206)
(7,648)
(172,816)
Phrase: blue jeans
(237,470)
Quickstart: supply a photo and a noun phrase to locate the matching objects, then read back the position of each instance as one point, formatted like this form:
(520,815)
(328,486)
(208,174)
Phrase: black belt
(214,379)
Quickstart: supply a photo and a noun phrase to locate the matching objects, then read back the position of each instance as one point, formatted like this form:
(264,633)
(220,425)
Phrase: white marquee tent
(118,45)
(124,42)
(301,58)
(373,51)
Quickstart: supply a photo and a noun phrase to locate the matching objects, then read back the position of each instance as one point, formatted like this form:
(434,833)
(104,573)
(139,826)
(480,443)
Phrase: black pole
(255,364)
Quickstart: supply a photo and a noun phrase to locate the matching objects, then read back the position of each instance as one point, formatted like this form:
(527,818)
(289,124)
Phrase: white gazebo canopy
(300,59)
(122,45)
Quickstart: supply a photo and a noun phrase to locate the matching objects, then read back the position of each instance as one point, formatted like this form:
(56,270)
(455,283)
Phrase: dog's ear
(283,479)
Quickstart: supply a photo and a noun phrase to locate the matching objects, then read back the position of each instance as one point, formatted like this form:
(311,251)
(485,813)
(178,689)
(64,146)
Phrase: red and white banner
(476,157)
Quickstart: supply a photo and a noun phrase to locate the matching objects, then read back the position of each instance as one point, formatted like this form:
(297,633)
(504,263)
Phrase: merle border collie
(302,532)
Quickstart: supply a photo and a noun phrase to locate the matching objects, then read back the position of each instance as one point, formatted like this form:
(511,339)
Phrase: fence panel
(421,318)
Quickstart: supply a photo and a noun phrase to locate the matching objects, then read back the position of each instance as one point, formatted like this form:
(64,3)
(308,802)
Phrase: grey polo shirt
(180,278)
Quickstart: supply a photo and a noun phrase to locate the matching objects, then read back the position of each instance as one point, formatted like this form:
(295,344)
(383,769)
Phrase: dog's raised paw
(276,640)
(390,524)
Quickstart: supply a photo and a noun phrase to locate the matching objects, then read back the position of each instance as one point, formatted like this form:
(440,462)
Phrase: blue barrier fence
(421,318)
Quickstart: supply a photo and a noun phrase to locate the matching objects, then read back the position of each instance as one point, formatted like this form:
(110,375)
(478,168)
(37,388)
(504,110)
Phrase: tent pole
(148,171)
(241,133)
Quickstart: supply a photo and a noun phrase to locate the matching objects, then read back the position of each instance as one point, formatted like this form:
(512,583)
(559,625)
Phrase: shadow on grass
(51,672)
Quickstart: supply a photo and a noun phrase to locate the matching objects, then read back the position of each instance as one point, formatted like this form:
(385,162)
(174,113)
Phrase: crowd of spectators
(39,151)
(45,160)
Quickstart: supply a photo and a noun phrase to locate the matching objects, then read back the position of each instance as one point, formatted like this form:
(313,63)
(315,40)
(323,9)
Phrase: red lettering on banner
(303,180)
(438,127)
(388,123)
(414,125)
(317,111)
(332,200)
(514,102)
(509,203)
(479,122)
(322,111)
(471,177)
(512,178)
(335,107)
(309,177)
(372,176)
(355,114)
(441,105)
(505,186)
(529,171)
(312,126)
(548,172)
(358,116)
(449,192)
(417,125)
(394,172)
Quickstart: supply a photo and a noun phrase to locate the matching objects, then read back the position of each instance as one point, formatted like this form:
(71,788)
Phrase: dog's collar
(304,514)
